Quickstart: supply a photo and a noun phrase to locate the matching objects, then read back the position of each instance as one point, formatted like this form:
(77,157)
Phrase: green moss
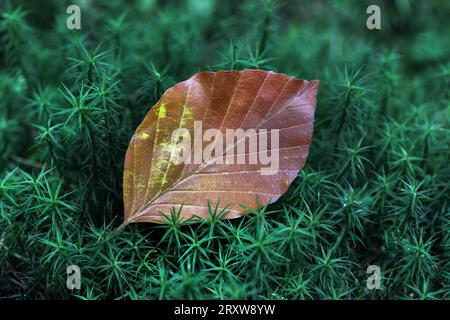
(374,190)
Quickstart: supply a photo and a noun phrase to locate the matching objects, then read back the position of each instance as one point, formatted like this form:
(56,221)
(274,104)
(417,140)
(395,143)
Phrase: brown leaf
(250,99)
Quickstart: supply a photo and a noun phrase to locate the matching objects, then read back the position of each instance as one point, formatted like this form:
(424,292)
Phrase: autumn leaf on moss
(227,138)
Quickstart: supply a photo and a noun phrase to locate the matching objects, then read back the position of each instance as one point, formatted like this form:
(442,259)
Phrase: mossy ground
(374,191)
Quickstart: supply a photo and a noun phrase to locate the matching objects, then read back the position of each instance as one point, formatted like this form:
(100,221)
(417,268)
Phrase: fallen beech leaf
(158,175)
